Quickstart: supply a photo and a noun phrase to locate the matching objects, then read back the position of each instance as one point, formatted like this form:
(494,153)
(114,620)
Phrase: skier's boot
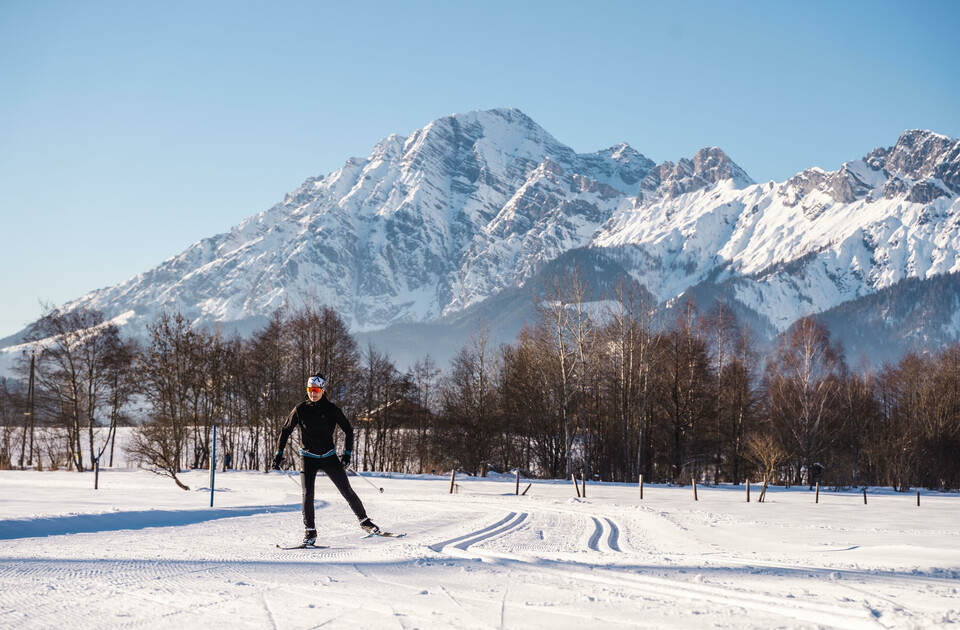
(369,527)
(309,537)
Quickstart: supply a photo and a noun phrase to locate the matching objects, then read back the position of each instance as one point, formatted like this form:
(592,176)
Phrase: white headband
(316,381)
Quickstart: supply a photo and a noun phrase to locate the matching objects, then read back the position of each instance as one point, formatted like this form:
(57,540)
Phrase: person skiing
(317,418)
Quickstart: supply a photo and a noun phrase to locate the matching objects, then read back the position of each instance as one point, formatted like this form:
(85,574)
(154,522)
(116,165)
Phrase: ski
(382,535)
(302,546)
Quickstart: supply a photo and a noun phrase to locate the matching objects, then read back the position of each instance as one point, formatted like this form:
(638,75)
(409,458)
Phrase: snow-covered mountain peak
(505,131)
(620,152)
(849,183)
(787,250)
(620,166)
(389,148)
(509,115)
(714,165)
(708,166)
(920,155)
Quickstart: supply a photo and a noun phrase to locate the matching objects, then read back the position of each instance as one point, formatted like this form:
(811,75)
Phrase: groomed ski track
(481,559)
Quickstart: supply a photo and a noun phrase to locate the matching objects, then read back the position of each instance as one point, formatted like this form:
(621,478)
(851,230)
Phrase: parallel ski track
(460,544)
(603,525)
(605,538)
(604,535)
(809,612)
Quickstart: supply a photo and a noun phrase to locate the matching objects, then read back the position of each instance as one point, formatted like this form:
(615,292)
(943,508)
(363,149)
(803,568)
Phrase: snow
(138,552)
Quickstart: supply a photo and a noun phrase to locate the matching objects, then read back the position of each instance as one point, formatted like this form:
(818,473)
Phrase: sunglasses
(315,390)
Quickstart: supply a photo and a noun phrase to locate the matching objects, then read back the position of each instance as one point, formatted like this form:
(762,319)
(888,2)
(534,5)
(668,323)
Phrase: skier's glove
(345,459)
(277,460)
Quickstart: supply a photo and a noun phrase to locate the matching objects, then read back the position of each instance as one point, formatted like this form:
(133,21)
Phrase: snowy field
(140,553)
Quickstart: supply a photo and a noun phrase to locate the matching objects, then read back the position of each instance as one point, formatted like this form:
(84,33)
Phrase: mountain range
(462,220)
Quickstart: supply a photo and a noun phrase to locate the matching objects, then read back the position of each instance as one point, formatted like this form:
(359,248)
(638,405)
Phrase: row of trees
(617,392)
(78,381)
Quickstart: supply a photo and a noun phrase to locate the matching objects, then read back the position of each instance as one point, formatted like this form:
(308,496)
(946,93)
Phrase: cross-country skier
(317,418)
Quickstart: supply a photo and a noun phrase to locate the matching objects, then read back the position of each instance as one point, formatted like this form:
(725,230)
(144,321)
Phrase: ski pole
(293,479)
(365,479)
(290,477)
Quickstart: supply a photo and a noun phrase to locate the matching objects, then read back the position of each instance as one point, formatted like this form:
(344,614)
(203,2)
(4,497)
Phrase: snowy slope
(426,224)
(140,553)
(476,204)
(807,244)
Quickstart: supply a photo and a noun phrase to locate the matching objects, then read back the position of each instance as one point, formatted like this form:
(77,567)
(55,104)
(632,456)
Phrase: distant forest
(611,395)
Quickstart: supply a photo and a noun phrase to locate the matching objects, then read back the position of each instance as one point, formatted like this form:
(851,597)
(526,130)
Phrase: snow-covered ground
(139,552)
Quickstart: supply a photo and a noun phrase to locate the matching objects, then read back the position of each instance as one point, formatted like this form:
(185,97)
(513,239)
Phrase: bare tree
(319,341)
(167,369)
(468,400)
(721,326)
(527,395)
(733,363)
(581,335)
(686,395)
(940,429)
(803,384)
(630,331)
(766,452)
(423,378)
(554,326)
(11,419)
(738,389)
(120,387)
(379,389)
(278,387)
(859,417)
(901,397)
(73,370)
(919,433)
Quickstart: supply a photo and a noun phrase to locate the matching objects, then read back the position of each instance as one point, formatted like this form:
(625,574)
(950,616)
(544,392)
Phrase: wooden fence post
(864,496)
(518,483)
(695,490)
(763,492)
(583,482)
(748,491)
(575,484)
(918,498)
(817,497)
(453,476)
(524,493)
(213,463)
(641,487)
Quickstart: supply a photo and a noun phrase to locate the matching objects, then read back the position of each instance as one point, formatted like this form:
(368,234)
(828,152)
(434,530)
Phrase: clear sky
(130,130)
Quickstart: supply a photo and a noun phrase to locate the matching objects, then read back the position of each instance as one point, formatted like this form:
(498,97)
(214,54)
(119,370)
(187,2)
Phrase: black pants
(309,466)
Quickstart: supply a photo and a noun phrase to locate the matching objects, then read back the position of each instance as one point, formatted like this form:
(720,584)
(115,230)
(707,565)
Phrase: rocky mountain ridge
(433,224)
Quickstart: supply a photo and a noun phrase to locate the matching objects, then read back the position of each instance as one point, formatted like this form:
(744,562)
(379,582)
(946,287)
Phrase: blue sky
(129,130)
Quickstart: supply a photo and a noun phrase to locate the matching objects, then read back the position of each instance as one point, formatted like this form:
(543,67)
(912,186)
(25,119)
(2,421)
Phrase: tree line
(612,391)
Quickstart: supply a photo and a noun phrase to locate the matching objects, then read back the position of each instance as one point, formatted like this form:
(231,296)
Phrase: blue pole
(213,463)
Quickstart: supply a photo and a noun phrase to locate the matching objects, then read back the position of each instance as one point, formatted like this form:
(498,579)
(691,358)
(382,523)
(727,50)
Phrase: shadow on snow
(114,521)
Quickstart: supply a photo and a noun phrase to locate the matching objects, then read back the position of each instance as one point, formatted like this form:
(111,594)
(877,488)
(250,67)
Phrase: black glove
(345,459)
(277,460)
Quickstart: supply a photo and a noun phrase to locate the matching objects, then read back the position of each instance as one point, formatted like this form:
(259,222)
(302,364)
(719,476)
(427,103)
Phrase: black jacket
(317,421)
